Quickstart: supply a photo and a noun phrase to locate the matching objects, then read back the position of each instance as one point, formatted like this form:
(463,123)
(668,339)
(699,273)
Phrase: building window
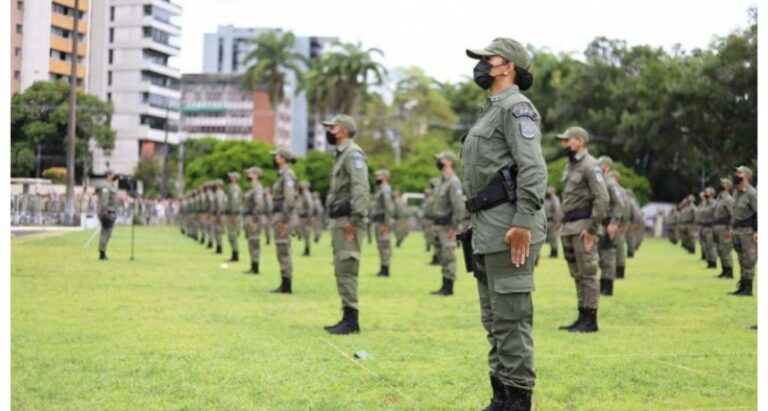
(16,75)
(111,35)
(19,5)
(111,56)
(112,13)
(147,9)
(109,96)
(17,51)
(109,77)
(18,28)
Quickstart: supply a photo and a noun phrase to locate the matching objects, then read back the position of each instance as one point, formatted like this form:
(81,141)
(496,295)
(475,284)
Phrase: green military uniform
(205,216)
(348,204)
(699,217)
(219,211)
(636,232)
(585,204)
(687,224)
(426,218)
(305,209)
(253,210)
(234,214)
(505,140)
(284,204)
(402,215)
(615,216)
(267,217)
(208,197)
(382,215)
(554,213)
(621,236)
(107,215)
(448,215)
(744,231)
(721,218)
(318,215)
(671,222)
(707,228)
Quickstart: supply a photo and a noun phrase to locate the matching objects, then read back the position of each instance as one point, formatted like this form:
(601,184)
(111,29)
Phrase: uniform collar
(513,89)
(341,149)
(581,154)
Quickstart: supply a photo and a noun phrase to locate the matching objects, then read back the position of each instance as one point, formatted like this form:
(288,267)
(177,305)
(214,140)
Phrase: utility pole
(70,205)
(164,186)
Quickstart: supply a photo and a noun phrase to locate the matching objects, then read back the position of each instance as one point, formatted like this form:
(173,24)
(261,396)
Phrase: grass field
(175,330)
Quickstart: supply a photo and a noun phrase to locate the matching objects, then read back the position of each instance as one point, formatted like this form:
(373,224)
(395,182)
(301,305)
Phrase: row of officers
(724,220)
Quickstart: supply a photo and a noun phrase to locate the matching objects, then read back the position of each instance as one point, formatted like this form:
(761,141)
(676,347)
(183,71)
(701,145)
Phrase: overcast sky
(433,34)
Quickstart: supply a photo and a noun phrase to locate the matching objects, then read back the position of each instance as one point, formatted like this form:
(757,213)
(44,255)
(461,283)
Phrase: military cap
(382,172)
(218,182)
(446,154)
(304,183)
(605,161)
(510,49)
(575,132)
(233,174)
(342,120)
(746,170)
(727,182)
(710,191)
(254,170)
(284,152)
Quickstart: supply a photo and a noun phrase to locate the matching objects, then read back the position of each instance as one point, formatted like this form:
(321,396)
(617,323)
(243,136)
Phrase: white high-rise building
(132,47)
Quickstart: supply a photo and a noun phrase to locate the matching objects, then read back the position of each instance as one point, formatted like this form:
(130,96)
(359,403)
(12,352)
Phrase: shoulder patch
(527,128)
(524,109)
(359,160)
(598,174)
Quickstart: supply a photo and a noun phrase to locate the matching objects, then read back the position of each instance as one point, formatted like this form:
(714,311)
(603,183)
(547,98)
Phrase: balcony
(65,45)
(68,23)
(64,68)
(84,4)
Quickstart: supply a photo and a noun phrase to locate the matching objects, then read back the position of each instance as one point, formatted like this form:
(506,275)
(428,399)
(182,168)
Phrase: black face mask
(482,74)
(274,163)
(330,138)
(737,179)
(440,165)
(379,182)
(566,151)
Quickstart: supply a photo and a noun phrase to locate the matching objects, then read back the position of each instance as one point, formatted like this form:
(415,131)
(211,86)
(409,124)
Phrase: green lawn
(176,330)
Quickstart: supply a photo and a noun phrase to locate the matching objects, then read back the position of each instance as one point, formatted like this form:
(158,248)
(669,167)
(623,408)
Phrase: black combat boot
(435,260)
(517,399)
(288,289)
(282,287)
(328,327)
(235,257)
(589,324)
(499,396)
(703,257)
(202,239)
(620,272)
(575,323)
(740,289)
(398,243)
(102,255)
(602,286)
(609,288)
(711,264)
(728,272)
(306,251)
(254,268)
(747,289)
(553,253)
(448,288)
(210,244)
(630,254)
(349,324)
(218,249)
(383,272)
(440,290)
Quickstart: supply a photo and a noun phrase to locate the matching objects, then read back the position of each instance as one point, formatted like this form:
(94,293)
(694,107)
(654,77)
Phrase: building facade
(225,52)
(133,45)
(41,41)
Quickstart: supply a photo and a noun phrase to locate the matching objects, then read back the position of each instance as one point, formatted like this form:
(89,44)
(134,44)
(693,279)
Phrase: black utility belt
(496,193)
(339,210)
(443,220)
(248,213)
(378,218)
(277,205)
(722,221)
(577,214)
(750,222)
(304,215)
(706,225)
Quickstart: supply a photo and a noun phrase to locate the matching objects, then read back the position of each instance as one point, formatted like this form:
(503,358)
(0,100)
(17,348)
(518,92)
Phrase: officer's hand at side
(519,240)
(349,231)
(282,228)
(452,234)
(611,229)
(588,239)
(384,230)
(729,235)
(754,236)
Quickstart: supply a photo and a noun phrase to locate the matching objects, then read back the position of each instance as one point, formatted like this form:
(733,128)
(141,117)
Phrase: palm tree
(268,63)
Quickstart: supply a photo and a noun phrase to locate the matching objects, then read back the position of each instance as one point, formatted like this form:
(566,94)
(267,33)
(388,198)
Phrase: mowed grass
(173,329)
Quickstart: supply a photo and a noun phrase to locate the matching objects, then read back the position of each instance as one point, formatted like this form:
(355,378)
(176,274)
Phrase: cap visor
(329,123)
(479,53)
(562,136)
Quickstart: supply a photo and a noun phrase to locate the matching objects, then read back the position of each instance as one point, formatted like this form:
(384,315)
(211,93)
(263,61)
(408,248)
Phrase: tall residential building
(41,41)
(225,52)
(133,43)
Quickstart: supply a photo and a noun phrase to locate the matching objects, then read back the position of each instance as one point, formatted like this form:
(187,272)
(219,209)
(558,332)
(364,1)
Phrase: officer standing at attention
(505,181)
(721,219)
(347,203)
(401,218)
(219,211)
(382,215)
(621,237)
(107,212)
(554,213)
(744,228)
(305,208)
(253,210)
(609,242)
(585,204)
(448,216)
(687,223)
(234,210)
(284,202)
(707,229)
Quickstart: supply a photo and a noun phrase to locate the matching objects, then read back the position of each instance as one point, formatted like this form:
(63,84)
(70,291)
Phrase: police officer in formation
(284,200)
(505,182)
(234,214)
(721,219)
(348,205)
(585,206)
(743,228)
(448,213)
(382,215)
(107,212)
(254,202)
(318,215)
(613,220)
(305,208)
(402,217)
